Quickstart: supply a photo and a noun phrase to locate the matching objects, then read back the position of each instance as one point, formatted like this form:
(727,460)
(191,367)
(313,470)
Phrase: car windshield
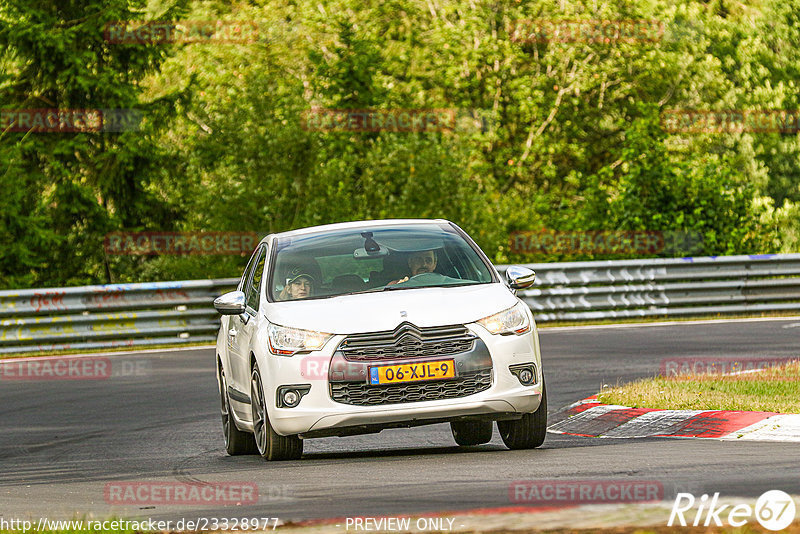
(376,258)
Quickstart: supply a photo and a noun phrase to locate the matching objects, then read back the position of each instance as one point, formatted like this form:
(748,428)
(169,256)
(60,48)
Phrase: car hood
(373,312)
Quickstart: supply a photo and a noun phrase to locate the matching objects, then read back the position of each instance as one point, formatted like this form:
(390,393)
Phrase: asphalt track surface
(61,442)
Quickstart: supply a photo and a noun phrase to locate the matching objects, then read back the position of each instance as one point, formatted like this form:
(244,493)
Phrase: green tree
(87,183)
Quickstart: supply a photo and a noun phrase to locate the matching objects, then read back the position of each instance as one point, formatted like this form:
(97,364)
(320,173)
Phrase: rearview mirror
(520,277)
(230,303)
(362,253)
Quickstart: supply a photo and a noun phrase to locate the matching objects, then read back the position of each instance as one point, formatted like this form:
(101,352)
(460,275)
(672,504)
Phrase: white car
(351,328)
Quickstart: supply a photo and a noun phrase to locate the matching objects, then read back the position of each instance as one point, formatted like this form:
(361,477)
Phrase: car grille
(361,394)
(407,341)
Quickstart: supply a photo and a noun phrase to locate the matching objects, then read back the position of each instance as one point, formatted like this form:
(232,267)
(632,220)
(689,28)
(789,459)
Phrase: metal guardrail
(118,315)
(115,315)
(672,287)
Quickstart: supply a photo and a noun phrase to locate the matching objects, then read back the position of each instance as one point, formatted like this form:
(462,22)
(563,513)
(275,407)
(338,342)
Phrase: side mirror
(230,303)
(519,277)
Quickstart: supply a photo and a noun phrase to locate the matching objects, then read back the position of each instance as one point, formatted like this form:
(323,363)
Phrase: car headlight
(286,341)
(511,321)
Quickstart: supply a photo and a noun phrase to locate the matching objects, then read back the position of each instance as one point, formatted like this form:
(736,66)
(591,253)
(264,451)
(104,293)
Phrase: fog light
(525,373)
(526,376)
(290,396)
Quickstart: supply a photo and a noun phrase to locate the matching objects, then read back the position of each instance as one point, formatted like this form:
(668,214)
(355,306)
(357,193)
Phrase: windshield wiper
(397,286)
(373,290)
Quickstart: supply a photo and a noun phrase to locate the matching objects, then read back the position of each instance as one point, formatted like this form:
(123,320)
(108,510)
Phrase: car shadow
(407,451)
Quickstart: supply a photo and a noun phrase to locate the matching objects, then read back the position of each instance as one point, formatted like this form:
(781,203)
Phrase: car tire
(528,432)
(237,442)
(271,446)
(467,433)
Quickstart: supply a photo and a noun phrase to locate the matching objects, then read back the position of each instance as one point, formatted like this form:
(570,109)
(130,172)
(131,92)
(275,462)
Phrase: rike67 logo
(774,510)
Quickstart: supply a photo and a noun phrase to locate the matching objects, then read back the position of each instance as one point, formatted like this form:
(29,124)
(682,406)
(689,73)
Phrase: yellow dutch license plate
(412,372)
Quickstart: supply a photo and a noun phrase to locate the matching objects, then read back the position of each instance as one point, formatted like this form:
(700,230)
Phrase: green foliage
(703,195)
(74,187)
(575,143)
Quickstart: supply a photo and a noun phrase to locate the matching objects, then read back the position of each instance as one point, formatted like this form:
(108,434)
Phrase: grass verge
(776,389)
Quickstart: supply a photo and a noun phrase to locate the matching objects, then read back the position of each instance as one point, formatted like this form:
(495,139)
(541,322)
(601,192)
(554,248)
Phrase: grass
(776,389)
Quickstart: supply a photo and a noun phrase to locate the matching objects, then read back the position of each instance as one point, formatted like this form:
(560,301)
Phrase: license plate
(412,372)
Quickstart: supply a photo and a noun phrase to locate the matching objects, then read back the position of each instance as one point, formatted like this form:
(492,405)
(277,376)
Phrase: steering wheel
(423,277)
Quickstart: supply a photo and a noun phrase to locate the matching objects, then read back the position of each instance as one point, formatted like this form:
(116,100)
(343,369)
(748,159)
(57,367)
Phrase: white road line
(566,426)
(783,427)
(651,423)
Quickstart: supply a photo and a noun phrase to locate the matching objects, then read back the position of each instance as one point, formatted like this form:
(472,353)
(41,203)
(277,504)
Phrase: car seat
(395,267)
(347,283)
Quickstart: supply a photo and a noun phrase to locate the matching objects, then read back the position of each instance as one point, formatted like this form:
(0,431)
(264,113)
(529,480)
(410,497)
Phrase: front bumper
(318,414)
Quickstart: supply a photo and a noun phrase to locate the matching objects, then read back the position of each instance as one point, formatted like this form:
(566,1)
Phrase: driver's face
(300,288)
(422,262)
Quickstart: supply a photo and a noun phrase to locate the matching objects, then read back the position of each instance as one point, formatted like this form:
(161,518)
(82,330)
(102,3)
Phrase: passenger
(299,285)
(419,263)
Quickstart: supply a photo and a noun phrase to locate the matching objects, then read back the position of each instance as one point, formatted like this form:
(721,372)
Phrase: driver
(299,285)
(419,263)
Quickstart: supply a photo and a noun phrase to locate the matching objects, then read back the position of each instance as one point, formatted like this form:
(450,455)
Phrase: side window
(247,271)
(254,286)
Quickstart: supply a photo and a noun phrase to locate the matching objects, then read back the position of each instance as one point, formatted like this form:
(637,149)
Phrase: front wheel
(236,441)
(471,433)
(271,445)
(528,432)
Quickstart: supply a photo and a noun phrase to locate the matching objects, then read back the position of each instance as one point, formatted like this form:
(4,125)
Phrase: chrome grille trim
(407,341)
(362,394)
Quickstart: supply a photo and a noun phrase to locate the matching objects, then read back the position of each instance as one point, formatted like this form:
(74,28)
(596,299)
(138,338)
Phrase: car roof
(353,224)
